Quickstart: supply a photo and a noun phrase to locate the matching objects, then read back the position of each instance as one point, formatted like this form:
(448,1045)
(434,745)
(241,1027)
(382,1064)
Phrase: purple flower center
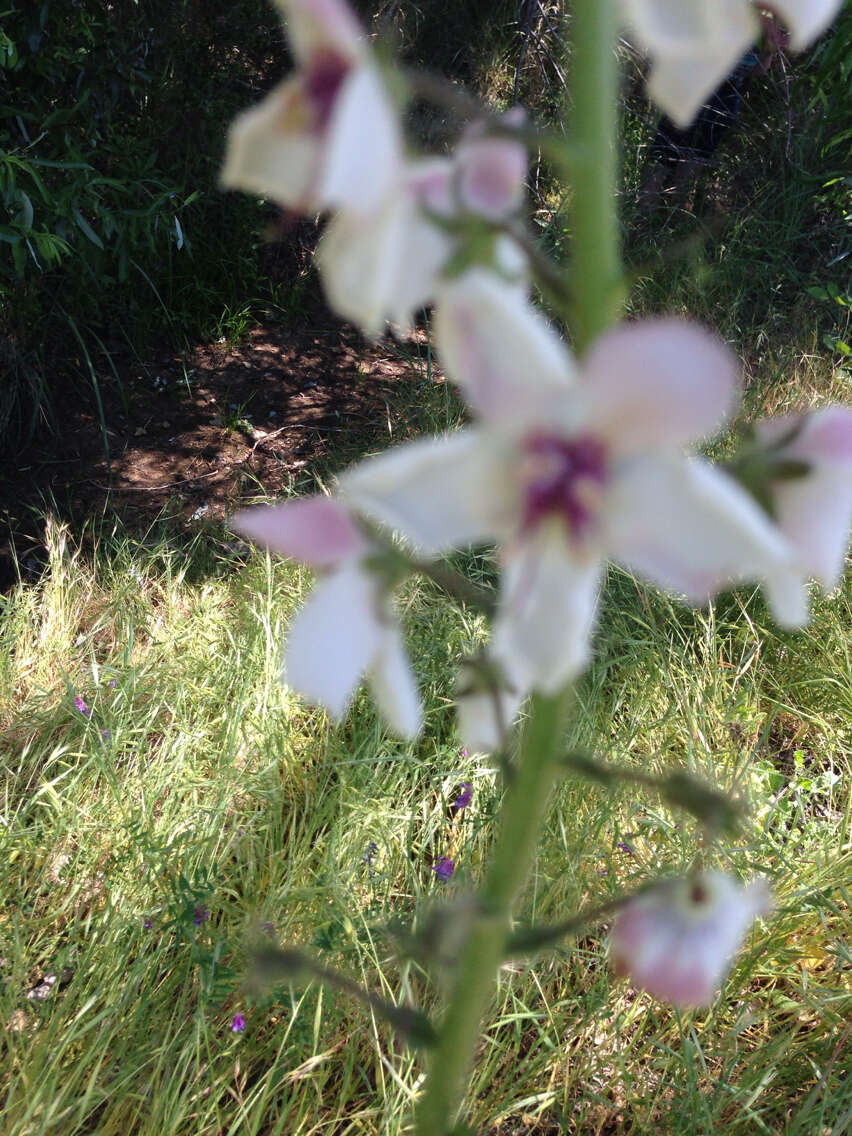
(323,78)
(563,478)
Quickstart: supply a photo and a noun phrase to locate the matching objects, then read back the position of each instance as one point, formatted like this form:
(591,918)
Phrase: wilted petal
(271,150)
(688,527)
(334,639)
(317,530)
(362,149)
(677,940)
(658,383)
(394,687)
(547,609)
(440,493)
(321,25)
(510,363)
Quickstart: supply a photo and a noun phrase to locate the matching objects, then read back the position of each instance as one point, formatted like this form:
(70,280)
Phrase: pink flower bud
(677,941)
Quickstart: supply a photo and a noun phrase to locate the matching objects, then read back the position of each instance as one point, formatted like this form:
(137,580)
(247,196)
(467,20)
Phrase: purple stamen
(323,78)
(561,472)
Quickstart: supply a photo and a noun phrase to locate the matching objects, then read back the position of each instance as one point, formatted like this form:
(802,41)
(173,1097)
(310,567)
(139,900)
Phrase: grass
(214,787)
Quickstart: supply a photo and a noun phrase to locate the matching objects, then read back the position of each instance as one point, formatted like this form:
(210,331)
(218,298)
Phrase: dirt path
(194,436)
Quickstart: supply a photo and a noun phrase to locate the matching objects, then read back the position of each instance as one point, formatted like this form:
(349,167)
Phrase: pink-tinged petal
(659,383)
(508,360)
(394,686)
(334,639)
(548,603)
(322,25)
(686,526)
(491,176)
(805,19)
(693,47)
(814,513)
(484,717)
(362,150)
(272,150)
(317,530)
(677,941)
(383,266)
(440,493)
(822,437)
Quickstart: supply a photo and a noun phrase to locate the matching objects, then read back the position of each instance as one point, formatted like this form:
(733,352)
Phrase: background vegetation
(147,848)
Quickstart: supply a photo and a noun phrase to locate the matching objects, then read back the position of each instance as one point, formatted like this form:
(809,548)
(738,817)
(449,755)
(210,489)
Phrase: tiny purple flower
(200,916)
(625,847)
(113,683)
(464,753)
(464,798)
(80,703)
(106,735)
(443,869)
(238,1024)
(147,924)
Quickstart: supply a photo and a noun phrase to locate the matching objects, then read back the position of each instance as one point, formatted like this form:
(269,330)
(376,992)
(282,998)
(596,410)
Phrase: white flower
(327,137)
(813,507)
(384,266)
(677,941)
(346,628)
(695,44)
(485,708)
(564,472)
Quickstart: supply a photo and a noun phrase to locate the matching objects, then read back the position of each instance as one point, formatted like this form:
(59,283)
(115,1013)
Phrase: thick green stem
(597,274)
(473,982)
(594,85)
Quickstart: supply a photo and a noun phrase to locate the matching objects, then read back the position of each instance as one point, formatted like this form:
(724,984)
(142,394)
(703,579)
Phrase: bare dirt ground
(192,436)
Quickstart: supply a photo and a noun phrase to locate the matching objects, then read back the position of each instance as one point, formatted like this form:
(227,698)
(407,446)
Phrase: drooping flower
(82,706)
(809,485)
(346,629)
(386,266)
(694,45)
(328,136)
(677,940)
(238,1023)
(444,868)
(565,472)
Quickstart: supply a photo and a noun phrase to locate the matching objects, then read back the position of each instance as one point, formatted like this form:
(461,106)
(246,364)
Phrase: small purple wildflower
(113,683)
(201,915)
(106,735)
(238,1024)
(443,869)
(464,798)
(624,847)
(464,753)
(80,703)
(147,924)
